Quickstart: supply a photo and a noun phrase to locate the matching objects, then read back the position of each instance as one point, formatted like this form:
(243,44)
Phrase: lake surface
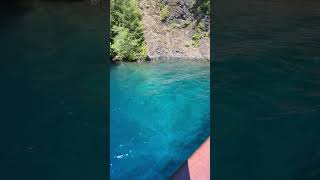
(160,114)
(53,91)
(266,90)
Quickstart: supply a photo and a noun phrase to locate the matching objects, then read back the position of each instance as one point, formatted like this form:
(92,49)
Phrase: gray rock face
(165,41)
(182,10)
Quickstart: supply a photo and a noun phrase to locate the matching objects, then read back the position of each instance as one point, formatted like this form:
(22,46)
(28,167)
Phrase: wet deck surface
(198,165)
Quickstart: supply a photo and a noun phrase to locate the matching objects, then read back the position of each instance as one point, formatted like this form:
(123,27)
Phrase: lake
(53,91)
(160,114)
(266,84)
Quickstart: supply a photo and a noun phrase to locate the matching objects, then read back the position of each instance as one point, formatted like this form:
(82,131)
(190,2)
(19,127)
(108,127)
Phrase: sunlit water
(160,114)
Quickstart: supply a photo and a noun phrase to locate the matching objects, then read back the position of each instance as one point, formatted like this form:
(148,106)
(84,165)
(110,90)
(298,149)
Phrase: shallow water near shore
(160,114)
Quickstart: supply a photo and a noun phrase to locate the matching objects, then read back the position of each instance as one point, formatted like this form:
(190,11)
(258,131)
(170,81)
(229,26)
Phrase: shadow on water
(312,169)
(266,90)
(15,8)
(53,94)
(12,10)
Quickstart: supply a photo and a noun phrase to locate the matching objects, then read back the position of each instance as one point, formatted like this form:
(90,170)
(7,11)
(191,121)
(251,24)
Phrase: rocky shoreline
(172,38)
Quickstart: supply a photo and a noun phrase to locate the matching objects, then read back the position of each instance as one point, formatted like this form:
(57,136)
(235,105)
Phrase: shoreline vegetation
(161,29)
(127,40)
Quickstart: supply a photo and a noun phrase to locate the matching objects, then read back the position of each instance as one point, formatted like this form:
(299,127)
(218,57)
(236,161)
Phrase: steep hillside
(176,28)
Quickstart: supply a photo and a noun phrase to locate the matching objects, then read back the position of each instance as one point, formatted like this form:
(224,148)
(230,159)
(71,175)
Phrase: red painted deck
(198,165)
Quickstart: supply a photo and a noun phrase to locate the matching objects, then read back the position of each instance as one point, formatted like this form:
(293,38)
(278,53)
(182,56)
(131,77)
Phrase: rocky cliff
(176,28)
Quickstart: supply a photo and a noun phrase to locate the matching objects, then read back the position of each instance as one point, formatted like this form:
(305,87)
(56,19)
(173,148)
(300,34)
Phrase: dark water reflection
(53,91)
(266,84)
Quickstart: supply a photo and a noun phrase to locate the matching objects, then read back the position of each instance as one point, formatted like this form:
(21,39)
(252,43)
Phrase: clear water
(266,90)
(160,114)
(53,91)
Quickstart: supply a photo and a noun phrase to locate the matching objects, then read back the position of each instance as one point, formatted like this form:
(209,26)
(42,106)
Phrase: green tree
(127,41)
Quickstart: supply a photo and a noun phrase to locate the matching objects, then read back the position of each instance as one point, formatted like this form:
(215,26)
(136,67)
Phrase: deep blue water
(53,91)
(160,114)
(266,90)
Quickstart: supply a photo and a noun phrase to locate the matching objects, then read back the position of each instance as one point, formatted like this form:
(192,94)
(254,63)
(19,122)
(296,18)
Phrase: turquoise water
(160,113)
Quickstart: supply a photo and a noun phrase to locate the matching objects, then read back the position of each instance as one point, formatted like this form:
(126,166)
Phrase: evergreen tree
(127,41)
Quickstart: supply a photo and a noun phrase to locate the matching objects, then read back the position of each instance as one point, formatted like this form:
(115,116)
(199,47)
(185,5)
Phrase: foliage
(127,41)
(201,11)
(186,23)
(200,27)
(174,25)
(202,6)
(164,12)
(196,37)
